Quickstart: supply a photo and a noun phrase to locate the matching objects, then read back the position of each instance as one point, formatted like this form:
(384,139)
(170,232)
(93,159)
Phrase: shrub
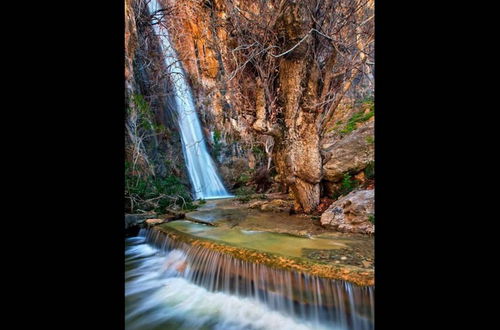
(348,185)
(244,194)
(217,146)
(145,118)
(258,150)
(370,170)
(153,193)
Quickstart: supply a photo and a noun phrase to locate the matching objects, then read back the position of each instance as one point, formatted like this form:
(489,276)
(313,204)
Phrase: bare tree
(304,56)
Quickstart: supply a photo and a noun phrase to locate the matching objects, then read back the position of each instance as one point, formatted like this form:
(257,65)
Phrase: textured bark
(302,165)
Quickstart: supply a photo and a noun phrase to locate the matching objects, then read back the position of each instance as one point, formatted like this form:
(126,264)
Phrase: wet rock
(175,214)
(154,222)
(168,217)
(351,213)
(132,220)
(351,154)
(277,205)
(255,204)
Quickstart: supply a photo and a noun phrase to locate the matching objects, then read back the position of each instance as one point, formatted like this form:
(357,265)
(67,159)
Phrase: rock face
(352,213)
(350,154)
(269,113)
(277,205)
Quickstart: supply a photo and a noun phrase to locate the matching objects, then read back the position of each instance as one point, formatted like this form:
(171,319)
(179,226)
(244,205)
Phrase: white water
(173,285)
(201,168)
(162,299)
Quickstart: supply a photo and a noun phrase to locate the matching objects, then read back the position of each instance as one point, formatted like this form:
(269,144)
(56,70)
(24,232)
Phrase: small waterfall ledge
(160,234)
(323,296)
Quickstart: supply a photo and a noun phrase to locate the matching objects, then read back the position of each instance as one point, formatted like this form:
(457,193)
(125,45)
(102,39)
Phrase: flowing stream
(173,285)
(201,168)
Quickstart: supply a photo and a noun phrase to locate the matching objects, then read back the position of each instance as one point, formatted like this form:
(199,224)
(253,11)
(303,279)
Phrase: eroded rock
(351,213)
(154,222)
(351,154)
(255,204)
(276,205)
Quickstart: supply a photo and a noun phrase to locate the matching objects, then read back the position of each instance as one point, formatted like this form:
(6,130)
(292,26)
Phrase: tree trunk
(298,78)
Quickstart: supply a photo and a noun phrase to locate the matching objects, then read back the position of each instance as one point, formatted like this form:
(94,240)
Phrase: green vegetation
(217,146)
(371,218)
(370,140)
(370,170)
(348,185)
(244,194)
(145,117)
(366,111)
(358,117)
(151,193)
(244,177)
(336,126)
(368,103)
(258,150)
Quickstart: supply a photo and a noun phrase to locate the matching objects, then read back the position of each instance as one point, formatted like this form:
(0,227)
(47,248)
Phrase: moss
(358,117)
(365,110)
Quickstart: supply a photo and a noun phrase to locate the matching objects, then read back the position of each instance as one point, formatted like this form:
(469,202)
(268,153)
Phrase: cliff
(284,90)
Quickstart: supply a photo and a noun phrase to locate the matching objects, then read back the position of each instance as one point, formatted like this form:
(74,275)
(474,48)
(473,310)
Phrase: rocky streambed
(275,239)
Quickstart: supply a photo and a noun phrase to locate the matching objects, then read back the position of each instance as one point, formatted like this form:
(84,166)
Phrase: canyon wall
(284,89)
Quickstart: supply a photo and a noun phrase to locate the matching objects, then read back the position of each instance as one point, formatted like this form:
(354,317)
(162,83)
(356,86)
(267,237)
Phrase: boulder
(351,154)
(276,205)
(352,213)
(154,222)
(255,204)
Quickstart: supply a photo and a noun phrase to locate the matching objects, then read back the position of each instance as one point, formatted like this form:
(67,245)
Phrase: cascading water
(201,168)
(174,285)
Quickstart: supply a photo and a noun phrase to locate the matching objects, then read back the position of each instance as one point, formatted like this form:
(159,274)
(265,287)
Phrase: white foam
(160,296)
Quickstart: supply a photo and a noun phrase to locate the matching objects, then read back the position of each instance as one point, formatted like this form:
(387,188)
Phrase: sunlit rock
(353,213)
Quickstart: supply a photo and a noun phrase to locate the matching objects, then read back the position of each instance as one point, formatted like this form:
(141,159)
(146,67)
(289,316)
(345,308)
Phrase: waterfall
(176,285)
(201,168)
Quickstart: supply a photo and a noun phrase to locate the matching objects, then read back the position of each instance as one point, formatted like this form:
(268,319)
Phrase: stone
(360,176)
(351,213)
(154,222)
(177,214)
(136,219)
(276,205)
(351,154)
(366,264)
(255,204)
